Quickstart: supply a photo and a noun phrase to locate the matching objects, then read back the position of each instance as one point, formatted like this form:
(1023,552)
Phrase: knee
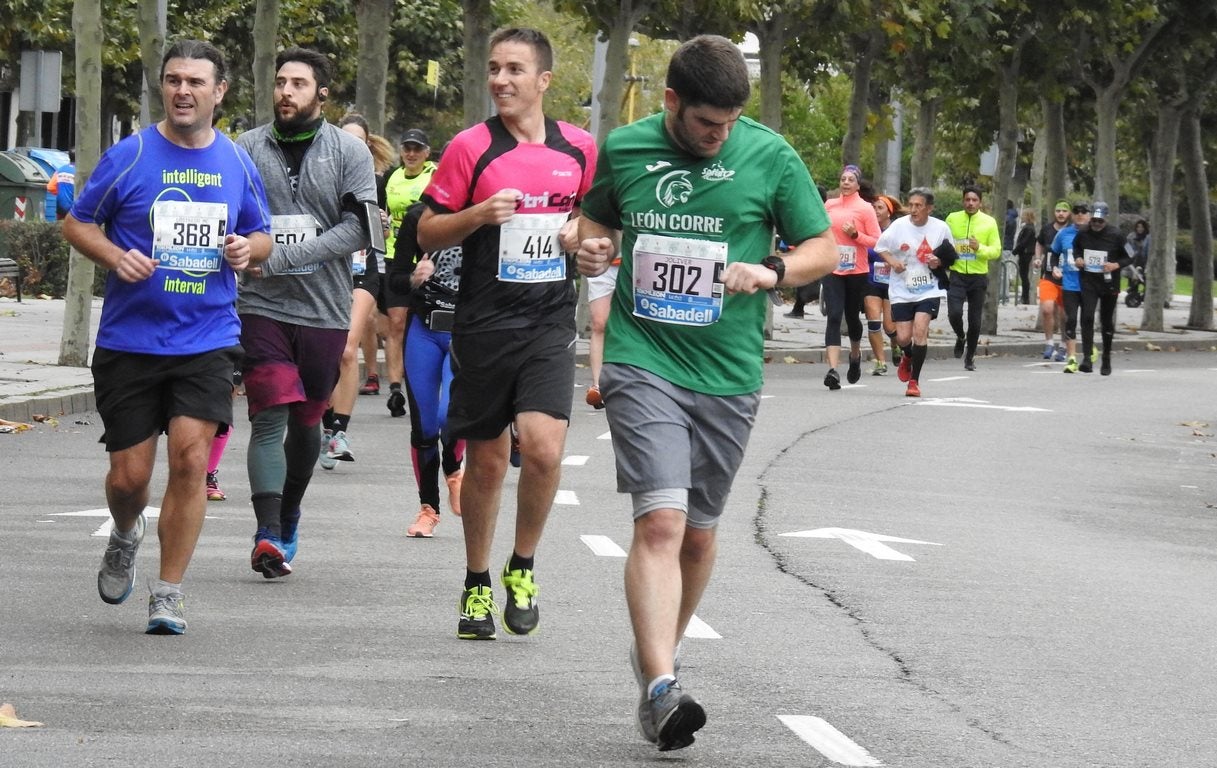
(698,544)
(350,354)
(660,529)
(127,481)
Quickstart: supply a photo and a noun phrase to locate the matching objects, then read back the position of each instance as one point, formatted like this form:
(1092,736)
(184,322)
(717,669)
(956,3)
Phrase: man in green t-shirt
(689,199)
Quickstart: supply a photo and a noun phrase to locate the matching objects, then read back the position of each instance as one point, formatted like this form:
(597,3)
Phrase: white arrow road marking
(602,546)
(104,530)
(951,378)
(965,402)
(828,741)
(870,543)
(606,547)
(606,436)
(699,628)
(567,498)
(575,461)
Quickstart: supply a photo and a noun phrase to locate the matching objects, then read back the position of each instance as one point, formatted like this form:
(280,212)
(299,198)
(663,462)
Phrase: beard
(300,119)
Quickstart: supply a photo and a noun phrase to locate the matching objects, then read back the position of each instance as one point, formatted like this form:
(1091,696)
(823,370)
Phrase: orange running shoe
(424,526)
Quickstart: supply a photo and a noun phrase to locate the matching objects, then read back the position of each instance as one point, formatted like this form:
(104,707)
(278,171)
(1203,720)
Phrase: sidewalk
(32,383)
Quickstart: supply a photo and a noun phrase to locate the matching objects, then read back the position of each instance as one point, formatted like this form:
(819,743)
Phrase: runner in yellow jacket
(977,240)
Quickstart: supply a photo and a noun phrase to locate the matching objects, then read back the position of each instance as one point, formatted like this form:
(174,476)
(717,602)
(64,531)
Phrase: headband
(855,170)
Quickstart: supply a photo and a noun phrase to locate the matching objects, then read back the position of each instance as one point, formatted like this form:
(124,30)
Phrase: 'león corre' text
(658,221)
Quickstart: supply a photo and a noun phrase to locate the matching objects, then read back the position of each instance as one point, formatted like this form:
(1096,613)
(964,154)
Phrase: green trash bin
(22,188)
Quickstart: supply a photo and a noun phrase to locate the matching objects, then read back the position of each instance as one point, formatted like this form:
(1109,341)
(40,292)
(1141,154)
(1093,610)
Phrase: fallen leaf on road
(790,359)
(1151,347)
(1197,424)
(9,719)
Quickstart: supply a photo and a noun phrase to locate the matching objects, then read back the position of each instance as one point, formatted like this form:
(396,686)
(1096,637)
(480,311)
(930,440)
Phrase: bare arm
(130,266)
(437,231)
(811,259)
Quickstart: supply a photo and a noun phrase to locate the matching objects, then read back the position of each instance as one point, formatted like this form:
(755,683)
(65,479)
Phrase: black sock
(327,420)
(339,422)
(266,508)
(518,563)
(394,387)
(477,579)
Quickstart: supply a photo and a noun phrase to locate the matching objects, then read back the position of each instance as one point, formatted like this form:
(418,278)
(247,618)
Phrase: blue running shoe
(289,527)
(268,557)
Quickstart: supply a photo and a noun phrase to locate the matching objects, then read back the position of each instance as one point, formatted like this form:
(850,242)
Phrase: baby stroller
(1136,286)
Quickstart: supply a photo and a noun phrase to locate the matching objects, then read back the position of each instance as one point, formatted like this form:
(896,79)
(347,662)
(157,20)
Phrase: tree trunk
(86,26)
(1158,289)
(1007,154)
(266,32)
(1054,154)
(1196,185)
(478,21)
(922,164)
(616,62)
(771,33)
(1106,177)
(375,20)
(151,49)
(859,100)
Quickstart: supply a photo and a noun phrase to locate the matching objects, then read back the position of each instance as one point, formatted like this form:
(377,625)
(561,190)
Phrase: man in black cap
(1098,252)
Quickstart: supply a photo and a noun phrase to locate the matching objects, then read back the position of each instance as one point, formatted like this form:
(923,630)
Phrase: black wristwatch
(777,264)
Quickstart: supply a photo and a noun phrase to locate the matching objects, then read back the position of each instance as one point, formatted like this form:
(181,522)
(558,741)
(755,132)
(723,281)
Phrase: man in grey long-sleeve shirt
(296,310)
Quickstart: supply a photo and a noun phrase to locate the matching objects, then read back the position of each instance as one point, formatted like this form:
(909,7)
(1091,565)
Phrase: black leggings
(969,288)
(843,294)
(1102,297)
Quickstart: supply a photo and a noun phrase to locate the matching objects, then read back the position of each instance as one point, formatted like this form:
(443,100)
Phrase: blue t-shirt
(1062,246)
(188,305)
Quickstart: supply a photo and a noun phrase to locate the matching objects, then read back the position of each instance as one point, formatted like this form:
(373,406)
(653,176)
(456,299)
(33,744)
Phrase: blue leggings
(428,369)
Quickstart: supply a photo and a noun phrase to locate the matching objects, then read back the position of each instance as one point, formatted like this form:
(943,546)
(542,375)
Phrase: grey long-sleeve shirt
(309,282)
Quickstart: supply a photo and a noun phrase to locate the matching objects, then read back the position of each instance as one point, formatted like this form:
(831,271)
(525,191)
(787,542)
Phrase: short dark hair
(323,69)
(196,49)
(354,118)
(924,193)
(973,188)
(528,36)
(709,70)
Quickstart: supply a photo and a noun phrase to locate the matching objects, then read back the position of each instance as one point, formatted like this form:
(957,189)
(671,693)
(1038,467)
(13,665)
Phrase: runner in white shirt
(918,249)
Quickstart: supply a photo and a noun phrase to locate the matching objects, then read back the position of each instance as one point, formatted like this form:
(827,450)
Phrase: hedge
(40,248)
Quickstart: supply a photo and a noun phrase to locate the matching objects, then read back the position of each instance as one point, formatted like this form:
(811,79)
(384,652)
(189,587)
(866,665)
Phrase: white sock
(164,588)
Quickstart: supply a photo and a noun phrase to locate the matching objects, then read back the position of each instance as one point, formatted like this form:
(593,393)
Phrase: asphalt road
(1051,605)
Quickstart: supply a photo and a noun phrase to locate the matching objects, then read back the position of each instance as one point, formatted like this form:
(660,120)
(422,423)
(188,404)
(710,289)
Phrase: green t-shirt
(695,215)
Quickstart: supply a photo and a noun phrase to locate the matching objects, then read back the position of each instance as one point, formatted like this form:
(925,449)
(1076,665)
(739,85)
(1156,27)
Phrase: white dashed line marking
(566,498)
(575,461)
(828,741)
(602,546)
(606,436)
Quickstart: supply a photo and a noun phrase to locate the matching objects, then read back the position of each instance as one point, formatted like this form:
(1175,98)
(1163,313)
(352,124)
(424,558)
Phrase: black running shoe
(397,403)
(520,613)
(477,614)
(832,379)
(855,370)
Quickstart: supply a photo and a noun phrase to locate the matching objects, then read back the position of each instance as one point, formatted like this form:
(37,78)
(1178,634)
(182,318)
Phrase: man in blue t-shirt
(173,212)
